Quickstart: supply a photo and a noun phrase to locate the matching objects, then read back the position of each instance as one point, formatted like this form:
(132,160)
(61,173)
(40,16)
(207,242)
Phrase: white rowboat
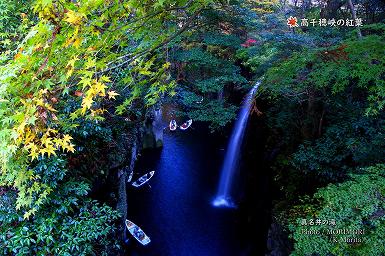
(199,101)
(173,125)
(186,125)
(142,180)
(137,232)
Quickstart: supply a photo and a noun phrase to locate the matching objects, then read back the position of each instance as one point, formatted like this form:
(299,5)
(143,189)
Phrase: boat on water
(142,180)
(173,125)
(199,101)
(186,125)
(137,232)
(130,176)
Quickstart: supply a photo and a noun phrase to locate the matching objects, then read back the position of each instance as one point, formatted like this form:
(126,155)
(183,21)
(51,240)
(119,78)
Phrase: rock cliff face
(277,241)
(157,127)
(123,174)
(150,135)
(153,130)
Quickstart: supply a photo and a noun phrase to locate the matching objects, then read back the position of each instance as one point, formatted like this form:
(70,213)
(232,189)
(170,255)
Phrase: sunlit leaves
(112,94)
(74,55)
(74,18)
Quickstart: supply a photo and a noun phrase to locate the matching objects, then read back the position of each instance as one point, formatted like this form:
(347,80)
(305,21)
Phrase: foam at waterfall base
(225,202)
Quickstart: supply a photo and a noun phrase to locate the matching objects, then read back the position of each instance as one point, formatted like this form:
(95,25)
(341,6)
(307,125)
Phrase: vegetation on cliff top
(78,77)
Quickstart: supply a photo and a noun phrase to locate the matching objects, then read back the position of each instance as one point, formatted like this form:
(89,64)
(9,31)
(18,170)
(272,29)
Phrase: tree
(323,90)
(72,66)
(357,206)
(205,66)
(69,225)
(80,54)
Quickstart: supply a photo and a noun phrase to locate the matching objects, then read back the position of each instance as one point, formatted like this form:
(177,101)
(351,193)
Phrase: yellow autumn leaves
(49,143)
(35,130)
(32,131)
(96,87)
(75,18)
(41,141)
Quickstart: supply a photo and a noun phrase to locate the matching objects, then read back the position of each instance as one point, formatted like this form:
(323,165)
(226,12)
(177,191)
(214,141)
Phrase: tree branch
(151,50)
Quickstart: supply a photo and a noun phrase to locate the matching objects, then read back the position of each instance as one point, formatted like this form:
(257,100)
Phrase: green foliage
(75,59)
(325,93)
(351,141)
(206,69)
(15,20)
(333,99)
(358,63)
(68,225)
(75,77)
(356,204)
(218,115)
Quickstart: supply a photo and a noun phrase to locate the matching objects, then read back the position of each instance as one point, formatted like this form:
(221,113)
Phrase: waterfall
(230,165)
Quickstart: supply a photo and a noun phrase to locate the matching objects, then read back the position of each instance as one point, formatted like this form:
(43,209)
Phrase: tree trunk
(306,4)
(122,189)
(331,8)
(354,16)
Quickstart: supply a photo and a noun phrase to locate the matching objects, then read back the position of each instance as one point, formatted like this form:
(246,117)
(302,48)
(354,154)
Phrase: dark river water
(175,210)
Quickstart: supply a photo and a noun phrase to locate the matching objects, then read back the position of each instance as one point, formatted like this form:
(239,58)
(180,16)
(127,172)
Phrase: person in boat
(137,232)
(140,235)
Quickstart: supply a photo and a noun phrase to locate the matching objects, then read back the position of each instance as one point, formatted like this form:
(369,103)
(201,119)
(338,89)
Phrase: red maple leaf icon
(292,22)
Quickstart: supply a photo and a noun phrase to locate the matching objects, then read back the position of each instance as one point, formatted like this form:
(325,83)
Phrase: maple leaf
(163,88)
(70,148)
(50,149)
(100,88)
(33,150)
(85,81)
(112,94)
(73,116)
(71,63)
(90,63)
(166,65)
(87,102)
(73,17)
(67,138)
(33,154)
(27,215)
(69,72)
(77,43)
(105,79)
(292,22)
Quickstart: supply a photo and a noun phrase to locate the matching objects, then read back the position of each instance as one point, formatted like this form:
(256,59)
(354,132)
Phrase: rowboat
(173,125)
(143,179)
(130,176)
(199,101)
(186,125)
(137,232)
